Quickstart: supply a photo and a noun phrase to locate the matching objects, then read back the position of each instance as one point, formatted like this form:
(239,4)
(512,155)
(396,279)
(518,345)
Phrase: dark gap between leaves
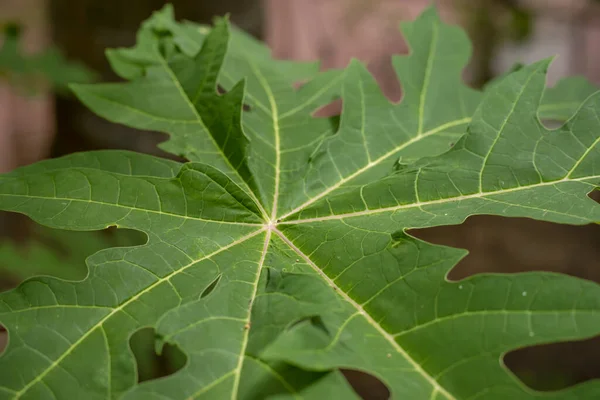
(366,386)
(3,339)
(595,195)
(332,111)
(151,365)
(384,72)
(66,250)
(329,110)
(85,131)
(511,245)
(14,226)
(556,366)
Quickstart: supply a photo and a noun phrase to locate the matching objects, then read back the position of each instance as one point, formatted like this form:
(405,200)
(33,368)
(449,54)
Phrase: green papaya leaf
(278,254)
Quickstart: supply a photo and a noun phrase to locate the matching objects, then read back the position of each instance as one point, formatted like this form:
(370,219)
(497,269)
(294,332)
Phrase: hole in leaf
(366,386)
(556,366)
(210,287)
(150,364)
(3,338)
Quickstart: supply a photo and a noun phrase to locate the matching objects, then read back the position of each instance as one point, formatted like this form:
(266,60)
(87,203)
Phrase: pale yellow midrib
(501,129)
(388,337)
(428,69)
(275,121)
(440,201)
(238,369)
(583,157)
(131,209)
(376,162)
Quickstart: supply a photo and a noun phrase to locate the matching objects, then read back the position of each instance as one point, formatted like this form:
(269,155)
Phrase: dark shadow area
(367,386)
(150,363)
(556,366)
(3,339)
(511,245)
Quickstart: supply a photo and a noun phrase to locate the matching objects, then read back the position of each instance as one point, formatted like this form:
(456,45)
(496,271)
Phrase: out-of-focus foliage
(520,23)
(33,71)
(58,253)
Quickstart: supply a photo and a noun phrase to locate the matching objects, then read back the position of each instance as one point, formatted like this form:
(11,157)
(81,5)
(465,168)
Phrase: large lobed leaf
(278,254)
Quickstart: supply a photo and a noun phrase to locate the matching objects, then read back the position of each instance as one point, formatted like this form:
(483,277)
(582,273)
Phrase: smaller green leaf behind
(58,253)
(28,71)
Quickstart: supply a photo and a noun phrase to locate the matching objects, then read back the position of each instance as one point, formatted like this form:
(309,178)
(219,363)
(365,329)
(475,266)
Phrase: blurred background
(48,43)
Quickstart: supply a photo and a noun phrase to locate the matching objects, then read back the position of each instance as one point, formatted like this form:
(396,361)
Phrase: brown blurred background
(42,125)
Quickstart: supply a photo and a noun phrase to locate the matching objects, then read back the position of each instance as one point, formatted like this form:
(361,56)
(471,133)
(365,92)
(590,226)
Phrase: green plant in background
(58,253)
(278,254)
(32,71)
